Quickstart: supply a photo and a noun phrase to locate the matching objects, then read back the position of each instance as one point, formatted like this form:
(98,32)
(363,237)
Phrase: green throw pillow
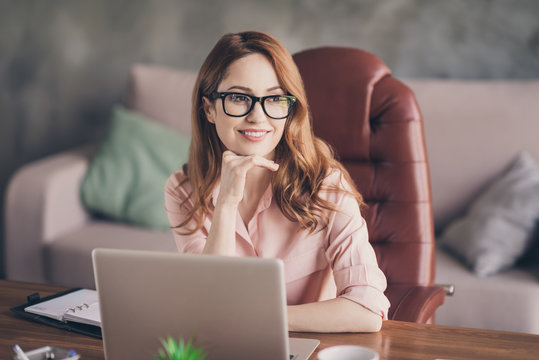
(126,177)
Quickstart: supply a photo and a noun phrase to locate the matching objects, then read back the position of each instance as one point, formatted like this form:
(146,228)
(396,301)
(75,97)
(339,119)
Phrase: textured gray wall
(64,63)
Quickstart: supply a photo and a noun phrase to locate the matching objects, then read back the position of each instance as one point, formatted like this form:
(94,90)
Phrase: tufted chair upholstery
(374,126)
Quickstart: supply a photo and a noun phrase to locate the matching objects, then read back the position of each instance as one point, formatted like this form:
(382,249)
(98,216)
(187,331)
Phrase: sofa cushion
(473,128)
(127,175)
(68,259)
(498,226)
(505,301)
(163,95)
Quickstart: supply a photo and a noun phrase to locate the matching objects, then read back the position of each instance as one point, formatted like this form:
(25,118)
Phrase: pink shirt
(338,261)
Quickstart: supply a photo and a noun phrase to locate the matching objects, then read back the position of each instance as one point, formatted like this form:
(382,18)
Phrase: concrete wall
(64,63)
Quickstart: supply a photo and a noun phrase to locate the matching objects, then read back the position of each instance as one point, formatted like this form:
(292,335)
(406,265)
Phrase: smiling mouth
(255,134)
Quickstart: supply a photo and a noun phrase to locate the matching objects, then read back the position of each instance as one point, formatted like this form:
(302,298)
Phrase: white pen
(20,354)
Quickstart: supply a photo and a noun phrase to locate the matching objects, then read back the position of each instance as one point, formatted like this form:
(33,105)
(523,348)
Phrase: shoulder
(178,184)
(337,189)
(335,180)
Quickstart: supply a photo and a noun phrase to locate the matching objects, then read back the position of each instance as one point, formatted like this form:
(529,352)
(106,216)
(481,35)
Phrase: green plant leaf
(181,350)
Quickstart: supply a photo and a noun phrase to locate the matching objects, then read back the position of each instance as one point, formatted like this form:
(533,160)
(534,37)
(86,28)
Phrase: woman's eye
(279,101)
(239,98)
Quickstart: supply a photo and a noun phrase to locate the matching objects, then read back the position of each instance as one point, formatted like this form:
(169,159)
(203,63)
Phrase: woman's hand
(234,172)
(222,235)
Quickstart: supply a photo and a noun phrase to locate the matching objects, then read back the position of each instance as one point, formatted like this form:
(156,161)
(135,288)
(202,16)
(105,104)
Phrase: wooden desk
(397,340)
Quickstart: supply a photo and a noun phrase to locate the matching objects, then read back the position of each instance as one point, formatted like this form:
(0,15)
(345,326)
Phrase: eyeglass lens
(274,106)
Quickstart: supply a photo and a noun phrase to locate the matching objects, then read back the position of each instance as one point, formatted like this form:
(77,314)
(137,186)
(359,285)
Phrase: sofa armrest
(415,303)
(42,203)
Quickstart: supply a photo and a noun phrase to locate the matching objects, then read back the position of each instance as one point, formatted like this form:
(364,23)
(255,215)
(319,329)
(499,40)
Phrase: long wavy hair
(304,160)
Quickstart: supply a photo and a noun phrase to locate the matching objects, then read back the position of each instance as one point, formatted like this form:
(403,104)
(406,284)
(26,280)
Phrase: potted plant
(180,350)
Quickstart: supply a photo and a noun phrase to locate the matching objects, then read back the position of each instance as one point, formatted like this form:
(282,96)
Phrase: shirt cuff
(364,285)
(370,298)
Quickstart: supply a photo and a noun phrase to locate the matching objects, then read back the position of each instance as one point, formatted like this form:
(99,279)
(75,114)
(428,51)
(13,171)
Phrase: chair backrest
(374,125)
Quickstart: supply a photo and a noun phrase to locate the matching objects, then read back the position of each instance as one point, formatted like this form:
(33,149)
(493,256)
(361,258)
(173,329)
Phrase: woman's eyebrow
(239,88)
(248,90)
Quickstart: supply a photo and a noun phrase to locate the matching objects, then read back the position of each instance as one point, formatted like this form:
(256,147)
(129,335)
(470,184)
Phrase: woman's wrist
(227,202)
(221,238)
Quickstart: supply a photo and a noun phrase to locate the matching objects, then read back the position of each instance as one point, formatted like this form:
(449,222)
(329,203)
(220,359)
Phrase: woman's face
(254,133)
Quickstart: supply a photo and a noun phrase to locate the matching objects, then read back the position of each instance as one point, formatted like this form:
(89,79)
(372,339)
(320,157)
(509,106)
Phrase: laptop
(232,307)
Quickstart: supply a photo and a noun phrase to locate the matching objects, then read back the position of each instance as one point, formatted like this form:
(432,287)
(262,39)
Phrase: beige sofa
(473,129)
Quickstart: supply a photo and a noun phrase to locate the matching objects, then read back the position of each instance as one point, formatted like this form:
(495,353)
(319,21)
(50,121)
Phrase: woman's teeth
(254,134)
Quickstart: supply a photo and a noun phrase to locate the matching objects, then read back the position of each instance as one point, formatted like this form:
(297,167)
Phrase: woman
(259,183)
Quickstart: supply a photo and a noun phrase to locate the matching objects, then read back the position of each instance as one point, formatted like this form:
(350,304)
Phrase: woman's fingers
(256,160)
(234,172)
(247,162)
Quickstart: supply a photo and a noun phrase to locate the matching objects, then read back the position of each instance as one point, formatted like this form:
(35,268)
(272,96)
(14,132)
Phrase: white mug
(348,352)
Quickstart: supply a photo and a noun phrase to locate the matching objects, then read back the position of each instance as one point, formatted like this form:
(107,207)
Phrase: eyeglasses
(239,104)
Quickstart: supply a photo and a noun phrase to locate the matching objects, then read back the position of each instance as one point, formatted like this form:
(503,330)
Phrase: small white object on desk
(45,353)
(348,352)
(20,354)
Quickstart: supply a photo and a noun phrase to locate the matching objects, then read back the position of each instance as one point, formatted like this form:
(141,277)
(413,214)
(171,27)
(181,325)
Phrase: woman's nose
(257,114)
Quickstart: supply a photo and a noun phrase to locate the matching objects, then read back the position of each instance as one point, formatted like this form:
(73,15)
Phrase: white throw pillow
(498,227)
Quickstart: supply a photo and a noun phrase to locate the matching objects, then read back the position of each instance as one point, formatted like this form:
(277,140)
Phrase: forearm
(335,315)
(222,235)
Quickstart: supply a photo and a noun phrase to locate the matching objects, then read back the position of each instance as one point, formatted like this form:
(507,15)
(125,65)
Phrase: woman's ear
(209,109)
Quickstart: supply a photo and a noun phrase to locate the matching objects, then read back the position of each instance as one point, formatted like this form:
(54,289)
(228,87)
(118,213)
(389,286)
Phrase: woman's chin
(268,156)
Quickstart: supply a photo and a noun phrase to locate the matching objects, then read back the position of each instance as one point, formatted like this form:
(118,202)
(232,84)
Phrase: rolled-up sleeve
(352,258)
(176,191)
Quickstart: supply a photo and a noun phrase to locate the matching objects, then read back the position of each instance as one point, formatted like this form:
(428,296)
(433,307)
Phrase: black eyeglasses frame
(254,100)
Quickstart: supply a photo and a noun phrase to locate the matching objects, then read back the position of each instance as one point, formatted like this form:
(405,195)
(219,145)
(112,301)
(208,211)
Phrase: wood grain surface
(397,340)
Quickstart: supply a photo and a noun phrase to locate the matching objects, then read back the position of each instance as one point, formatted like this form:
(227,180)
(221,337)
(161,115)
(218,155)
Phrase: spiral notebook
(74,310)
(79,306)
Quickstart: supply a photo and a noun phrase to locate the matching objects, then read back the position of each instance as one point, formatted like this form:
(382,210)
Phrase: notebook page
(57,307)
(84,314)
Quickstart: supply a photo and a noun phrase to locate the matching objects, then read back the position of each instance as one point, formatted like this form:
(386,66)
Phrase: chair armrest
(415,303)
(42,203)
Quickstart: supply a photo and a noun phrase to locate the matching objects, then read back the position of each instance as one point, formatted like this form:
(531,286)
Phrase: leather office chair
(375,127)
